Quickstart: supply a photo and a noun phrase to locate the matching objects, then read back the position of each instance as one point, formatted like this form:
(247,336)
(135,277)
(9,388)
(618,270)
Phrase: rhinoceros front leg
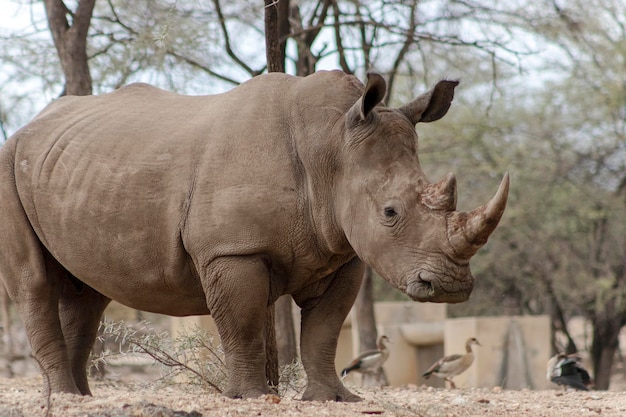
(322,318)
(237,291)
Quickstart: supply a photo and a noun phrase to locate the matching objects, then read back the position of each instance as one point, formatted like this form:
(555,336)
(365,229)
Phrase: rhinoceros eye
(390,212)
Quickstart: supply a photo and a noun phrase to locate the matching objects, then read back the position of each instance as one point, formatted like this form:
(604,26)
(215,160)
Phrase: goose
(450,366)
(567,370)
(370,361)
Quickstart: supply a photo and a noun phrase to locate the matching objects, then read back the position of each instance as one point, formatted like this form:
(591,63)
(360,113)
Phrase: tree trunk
(271,354)
(558,321)
(273,51)
(284,28)
(305,35)
(275,55)
(366,322)
(305,62)
(603,347)
(285,332)
(7,335)
(71,43)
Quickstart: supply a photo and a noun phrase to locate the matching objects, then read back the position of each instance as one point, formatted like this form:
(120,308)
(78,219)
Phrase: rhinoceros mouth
(425,288)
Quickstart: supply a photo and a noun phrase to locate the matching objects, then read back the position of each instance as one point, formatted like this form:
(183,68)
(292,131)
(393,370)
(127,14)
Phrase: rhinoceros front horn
(468,231)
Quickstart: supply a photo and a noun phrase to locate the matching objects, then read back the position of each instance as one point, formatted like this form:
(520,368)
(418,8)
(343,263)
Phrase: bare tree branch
(71,43)
(341,51)
(408,41)
(204,68)
(229,50)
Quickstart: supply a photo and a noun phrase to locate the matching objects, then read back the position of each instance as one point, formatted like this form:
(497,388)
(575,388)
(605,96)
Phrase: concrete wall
(513,354)
(415,331)
(181,325)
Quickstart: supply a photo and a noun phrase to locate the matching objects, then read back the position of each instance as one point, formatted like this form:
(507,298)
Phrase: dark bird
(450,366)
(567,370)
(370,361)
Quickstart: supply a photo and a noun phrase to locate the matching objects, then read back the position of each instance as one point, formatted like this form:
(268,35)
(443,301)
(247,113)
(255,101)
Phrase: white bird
(370,361)
(567,370)
(450,366)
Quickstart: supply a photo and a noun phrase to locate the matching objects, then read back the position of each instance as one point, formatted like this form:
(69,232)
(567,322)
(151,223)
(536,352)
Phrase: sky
(17,14)
(19,17)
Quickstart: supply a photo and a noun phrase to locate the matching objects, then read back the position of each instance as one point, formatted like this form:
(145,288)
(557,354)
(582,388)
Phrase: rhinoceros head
(405,227)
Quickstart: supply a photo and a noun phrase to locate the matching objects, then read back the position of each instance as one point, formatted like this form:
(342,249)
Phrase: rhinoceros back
(114,175)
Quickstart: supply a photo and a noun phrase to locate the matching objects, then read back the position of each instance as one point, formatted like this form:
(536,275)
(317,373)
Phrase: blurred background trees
(542,96)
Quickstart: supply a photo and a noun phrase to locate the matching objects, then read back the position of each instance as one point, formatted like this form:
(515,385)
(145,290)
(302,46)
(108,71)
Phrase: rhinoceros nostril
(426,276)
(420,289)
(430,289)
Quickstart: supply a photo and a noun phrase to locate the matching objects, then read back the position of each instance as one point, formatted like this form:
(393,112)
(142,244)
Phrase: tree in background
(70,40)
(555,119)
(593,96)
(561,246)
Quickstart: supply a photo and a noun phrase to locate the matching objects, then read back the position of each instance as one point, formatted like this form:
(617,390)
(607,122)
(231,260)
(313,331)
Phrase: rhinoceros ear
(373,95)
(432,105)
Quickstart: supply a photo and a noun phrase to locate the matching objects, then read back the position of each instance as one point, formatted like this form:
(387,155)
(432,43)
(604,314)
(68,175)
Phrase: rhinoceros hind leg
(80,310)
(30,284)
(34,288)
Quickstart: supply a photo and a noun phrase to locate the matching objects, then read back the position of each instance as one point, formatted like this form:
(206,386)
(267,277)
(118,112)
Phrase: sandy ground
(137,390)
(23,397)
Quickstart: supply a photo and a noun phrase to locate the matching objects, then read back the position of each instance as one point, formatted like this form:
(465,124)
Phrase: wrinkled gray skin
(188,205)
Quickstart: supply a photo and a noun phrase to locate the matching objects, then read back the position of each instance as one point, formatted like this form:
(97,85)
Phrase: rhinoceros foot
(329,393)
(245,393)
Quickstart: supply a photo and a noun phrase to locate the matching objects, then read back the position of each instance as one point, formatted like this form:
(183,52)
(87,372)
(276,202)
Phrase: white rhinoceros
(187,205)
